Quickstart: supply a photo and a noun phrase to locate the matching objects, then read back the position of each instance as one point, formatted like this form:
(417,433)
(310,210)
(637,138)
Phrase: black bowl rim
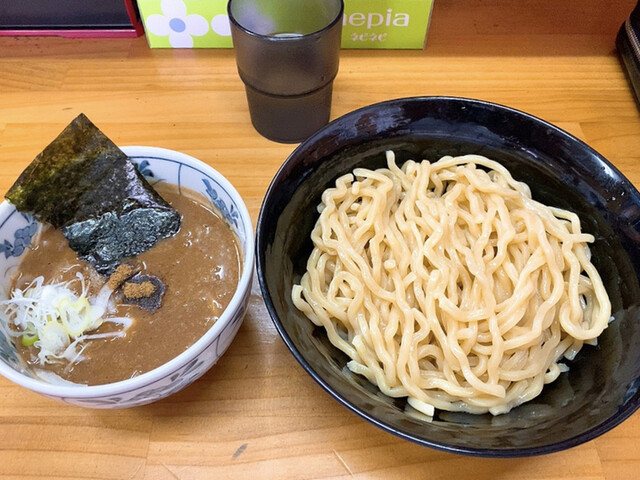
(621,415)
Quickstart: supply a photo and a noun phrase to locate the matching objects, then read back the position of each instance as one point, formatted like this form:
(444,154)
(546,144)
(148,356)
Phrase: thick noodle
(448,284)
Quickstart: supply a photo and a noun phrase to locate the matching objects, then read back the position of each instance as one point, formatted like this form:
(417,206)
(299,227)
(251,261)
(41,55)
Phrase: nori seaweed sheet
(83,184)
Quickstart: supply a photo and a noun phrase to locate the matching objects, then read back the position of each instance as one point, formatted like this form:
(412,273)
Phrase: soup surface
(199,266)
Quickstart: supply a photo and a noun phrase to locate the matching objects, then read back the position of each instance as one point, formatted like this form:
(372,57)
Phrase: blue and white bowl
(156,164)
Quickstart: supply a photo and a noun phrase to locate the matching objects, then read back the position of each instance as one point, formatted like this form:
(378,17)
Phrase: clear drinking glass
(287,53)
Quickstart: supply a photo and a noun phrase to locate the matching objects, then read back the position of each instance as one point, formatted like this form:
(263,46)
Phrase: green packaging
(386,23)
(376,24)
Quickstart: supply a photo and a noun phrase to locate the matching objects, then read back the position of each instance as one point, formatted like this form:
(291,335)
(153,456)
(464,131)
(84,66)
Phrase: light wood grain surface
(256,414)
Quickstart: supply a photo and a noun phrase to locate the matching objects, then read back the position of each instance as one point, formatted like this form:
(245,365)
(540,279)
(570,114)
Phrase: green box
(366,23)
(386,23)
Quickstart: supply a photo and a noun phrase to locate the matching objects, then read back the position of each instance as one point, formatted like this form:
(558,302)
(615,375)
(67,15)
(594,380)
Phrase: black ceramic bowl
(599,391)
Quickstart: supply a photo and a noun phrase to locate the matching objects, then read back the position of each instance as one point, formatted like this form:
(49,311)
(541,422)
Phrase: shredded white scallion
(55,319)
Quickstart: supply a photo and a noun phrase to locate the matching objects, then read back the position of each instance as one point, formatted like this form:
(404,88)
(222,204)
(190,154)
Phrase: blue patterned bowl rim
(244,284)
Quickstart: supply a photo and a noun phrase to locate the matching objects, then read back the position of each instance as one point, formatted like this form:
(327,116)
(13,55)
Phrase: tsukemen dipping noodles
(446,283)
(121,277)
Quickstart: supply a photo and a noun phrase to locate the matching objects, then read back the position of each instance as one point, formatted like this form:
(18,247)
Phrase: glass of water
(287,53)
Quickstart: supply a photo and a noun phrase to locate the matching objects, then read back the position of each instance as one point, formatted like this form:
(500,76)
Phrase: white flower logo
(220,25)
(175,23)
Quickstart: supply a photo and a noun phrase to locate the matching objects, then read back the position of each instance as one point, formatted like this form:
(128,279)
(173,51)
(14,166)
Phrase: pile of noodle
(448,284)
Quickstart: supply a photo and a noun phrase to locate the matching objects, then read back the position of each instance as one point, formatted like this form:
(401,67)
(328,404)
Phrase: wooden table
(257,414)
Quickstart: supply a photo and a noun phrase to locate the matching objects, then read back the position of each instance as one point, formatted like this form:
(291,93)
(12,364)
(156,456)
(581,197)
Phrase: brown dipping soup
(200,267)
